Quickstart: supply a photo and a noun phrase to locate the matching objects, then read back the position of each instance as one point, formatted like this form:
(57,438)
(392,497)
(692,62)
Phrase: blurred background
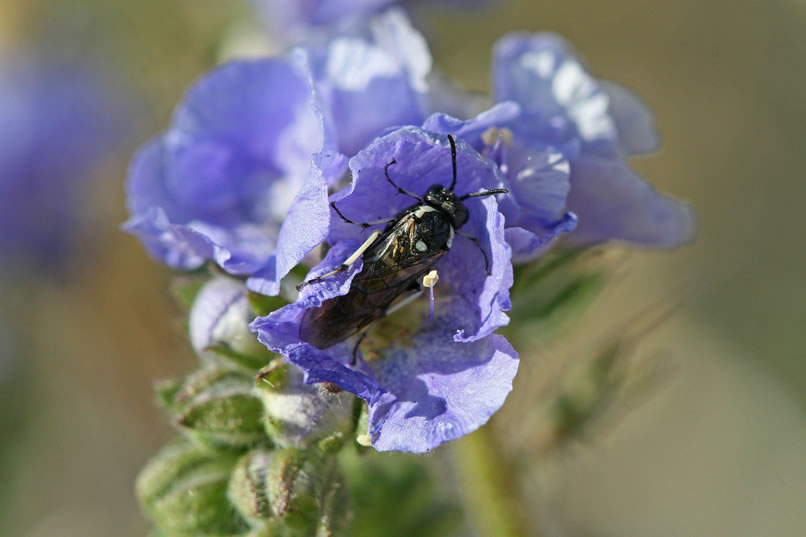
(715,446)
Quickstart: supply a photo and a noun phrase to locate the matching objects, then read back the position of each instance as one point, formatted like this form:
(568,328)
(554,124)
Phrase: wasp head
(445,201)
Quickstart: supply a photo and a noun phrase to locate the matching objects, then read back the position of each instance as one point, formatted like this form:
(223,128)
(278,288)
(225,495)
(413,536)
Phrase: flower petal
(635,122)
(615,203)
(439,390)
(372,82)
(319,366)
(561,98)
(528,246)
(305,225)
(219,183)
(540,186)
(479,300)
(188,245)
(471,130)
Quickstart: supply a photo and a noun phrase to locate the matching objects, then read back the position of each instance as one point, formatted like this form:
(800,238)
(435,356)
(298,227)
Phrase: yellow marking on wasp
(422,209)
(350,260)
(363,248)
(411,230)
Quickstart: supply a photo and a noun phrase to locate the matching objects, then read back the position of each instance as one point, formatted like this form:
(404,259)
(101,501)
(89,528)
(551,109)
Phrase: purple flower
(56,124)
(219,184)
(595,124)
(440,377)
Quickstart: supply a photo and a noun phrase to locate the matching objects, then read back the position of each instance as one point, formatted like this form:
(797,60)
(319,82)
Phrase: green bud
(209,380)
(248,487)
(165,468)
(292,488)
(217,408)
(226,421)
(183,490)
(300,415)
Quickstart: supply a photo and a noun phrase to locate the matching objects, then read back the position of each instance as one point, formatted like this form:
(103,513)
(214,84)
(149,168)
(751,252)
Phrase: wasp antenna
(485,193)
(453,161)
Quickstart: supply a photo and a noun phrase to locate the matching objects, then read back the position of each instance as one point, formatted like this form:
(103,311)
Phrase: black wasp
(394,261)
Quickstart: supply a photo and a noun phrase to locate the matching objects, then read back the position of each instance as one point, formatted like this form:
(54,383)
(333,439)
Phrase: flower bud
(292,489)
(216,407)
(247,489)
(183,490)
(219,325)
(297,414)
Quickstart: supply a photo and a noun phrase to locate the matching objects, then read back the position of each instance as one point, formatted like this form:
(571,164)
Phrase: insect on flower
(394,260)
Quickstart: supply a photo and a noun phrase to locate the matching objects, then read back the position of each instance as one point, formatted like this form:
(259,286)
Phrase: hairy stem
(490,486)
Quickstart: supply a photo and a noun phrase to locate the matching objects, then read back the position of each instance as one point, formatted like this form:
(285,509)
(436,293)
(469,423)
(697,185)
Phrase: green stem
(490,486)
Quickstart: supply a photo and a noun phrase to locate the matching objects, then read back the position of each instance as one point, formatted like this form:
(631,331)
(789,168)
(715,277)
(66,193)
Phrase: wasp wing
(392,268)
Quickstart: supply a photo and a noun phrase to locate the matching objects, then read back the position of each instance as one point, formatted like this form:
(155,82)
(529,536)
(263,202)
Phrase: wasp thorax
(444,200)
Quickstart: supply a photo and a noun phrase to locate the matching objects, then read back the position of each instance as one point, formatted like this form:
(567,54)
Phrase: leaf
(186,288)
(252,362)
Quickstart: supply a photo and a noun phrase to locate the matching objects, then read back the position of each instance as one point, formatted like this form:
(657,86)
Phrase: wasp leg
(358,342)
(362,224)
(401,190)
(348,263)
(475,241)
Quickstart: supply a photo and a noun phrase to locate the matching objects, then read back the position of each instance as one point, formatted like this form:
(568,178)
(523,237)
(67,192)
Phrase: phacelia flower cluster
(258,150)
